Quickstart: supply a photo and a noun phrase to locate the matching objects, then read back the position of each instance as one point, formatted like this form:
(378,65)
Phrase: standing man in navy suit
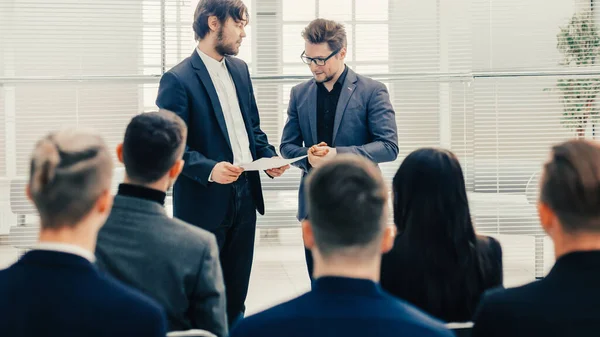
(212,92)
(338,111)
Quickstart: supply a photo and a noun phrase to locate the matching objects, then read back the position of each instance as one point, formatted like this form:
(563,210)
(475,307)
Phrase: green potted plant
(579,44)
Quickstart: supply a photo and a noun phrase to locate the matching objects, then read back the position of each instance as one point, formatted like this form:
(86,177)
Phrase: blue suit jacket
(58,294)
(364,124)
(342,307)
(187,90)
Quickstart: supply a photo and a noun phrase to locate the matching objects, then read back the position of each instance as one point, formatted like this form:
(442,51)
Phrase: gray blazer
(175,263)
(365,124)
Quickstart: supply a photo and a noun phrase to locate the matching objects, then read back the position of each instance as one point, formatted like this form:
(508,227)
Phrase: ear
(308,235)
(104,203)
(28,192)
(389,236)
(342,53)
(176,169)
(547,217)
(120,153)
(213,23)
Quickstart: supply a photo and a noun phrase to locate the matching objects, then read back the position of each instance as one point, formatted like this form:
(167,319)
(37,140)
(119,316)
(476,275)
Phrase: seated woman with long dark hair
(438,263)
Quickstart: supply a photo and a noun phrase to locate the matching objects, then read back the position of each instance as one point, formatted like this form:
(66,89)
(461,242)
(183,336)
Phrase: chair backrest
(191,333)
(461,329)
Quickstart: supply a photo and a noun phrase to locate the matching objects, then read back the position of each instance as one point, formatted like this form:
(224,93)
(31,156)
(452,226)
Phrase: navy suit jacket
(364,124)
(342,307)
(565,303)
(188,90)
(58,294)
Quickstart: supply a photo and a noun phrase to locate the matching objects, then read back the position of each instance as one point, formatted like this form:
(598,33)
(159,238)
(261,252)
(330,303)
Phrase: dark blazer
(364,124)
(50,293)
(565,303)
(341,307)
(175,263)
(187,90)
(446,295)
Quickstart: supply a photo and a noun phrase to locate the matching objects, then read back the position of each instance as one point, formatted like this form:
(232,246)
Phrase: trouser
(235,237)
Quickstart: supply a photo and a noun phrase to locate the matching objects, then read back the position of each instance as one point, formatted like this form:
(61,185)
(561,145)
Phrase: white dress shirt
(236,129)
(66,248)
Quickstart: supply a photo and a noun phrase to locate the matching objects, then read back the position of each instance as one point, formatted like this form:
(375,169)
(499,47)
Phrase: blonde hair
(69,171)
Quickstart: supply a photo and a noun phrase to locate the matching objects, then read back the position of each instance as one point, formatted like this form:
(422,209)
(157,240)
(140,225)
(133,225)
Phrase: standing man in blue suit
(338,111)
(347,233)
(212,92)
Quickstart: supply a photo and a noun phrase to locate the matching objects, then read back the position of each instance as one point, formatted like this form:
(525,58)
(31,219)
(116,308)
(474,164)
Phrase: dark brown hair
(570,185)
(347,200)
(222,9)
(326,31)
(154,142)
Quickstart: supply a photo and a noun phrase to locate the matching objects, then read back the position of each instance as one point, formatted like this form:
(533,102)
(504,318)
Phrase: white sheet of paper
(268,163)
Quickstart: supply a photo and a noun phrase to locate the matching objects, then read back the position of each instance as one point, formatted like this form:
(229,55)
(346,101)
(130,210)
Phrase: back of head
(326,31)
(570,185)
(154,142)
(430,202)
(347,206)
(435,250)
(69,171)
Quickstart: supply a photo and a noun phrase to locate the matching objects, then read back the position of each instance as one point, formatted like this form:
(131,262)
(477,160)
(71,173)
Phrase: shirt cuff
(210,176)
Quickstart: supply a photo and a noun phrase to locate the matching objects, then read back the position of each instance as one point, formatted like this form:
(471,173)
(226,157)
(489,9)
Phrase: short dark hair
(347,200)
(326,31)
(154,141)
(222,9)
(570,185)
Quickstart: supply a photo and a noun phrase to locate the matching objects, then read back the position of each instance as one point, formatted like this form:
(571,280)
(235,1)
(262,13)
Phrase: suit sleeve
(382,124)
(173,96)
(484,320)
(292,143)
(208,305)
(263,148)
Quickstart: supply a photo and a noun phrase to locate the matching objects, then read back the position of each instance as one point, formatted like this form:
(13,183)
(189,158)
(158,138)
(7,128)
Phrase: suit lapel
(204,76)
(347,90)
(242,96)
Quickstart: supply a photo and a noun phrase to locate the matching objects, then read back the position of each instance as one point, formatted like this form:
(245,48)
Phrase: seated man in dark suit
(567,301)
(173,262)
(55,289)
(347,233)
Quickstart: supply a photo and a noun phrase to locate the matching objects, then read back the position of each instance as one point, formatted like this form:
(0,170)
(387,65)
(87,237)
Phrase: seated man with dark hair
(567,301)
(173,262)
(347,234)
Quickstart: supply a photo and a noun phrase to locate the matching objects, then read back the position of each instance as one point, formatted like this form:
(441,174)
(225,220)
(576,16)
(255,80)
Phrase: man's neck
(569,243)
(207,47)
(72,236)
(345,267)
(160,185)
(329,84)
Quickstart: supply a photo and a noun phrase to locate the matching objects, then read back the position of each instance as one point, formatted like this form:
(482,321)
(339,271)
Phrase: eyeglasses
(317,60)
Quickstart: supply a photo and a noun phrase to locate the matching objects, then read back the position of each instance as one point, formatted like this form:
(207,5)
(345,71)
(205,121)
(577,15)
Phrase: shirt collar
(66,248)
(211,64)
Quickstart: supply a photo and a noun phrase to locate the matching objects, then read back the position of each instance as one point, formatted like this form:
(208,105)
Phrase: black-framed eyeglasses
(317,60)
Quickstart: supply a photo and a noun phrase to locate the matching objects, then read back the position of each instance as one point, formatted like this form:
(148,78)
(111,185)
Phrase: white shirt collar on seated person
(66,248)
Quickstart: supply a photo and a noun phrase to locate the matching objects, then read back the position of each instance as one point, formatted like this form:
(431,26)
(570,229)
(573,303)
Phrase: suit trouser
(235,237)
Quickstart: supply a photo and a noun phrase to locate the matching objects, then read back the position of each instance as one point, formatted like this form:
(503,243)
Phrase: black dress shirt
(327,102)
